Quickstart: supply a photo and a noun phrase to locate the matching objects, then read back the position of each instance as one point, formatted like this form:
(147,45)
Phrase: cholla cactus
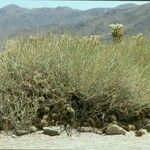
(138,39)
(117,32)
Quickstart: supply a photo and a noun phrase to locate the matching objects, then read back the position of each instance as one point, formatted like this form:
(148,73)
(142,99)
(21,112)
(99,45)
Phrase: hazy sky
(73,4)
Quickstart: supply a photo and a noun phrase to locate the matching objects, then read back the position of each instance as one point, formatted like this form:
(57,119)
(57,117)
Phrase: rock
(147,127)
(52,130)
(131,127)
(13,136)
(21,132)
(114,129)
(33,129)
(140,132)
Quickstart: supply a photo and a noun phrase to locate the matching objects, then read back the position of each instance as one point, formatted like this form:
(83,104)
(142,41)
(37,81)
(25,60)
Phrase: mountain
(126,6)
(136,18)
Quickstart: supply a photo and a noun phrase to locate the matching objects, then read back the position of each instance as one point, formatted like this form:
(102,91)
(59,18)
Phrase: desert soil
(82,141)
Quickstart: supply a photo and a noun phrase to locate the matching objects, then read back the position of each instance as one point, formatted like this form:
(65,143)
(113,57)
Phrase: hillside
(126,6)
(93,21)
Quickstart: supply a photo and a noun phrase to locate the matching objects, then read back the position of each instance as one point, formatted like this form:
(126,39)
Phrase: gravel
(78,141)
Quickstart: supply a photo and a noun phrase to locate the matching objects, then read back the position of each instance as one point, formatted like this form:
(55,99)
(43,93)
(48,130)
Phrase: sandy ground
(82,141)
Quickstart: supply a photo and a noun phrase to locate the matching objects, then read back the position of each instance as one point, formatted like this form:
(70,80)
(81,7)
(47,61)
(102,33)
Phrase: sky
(82,5)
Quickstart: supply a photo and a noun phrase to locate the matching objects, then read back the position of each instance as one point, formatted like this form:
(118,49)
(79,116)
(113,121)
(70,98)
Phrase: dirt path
(82,141)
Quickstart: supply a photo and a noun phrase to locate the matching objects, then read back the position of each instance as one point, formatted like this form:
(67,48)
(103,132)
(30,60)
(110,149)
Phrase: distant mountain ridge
(136,18)
(126,6)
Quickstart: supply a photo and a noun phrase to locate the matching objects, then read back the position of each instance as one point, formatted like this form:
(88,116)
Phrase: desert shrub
(72,79)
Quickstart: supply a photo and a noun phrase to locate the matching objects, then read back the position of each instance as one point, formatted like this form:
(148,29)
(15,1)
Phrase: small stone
(21,132)
(147,127)
(14,136)
(131,127)
(52,130)
(140,132)
(114,129)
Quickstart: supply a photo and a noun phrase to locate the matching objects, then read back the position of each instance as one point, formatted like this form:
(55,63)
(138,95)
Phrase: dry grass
(81,80)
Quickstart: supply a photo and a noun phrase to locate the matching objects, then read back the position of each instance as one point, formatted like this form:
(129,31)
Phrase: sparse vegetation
(61,79)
